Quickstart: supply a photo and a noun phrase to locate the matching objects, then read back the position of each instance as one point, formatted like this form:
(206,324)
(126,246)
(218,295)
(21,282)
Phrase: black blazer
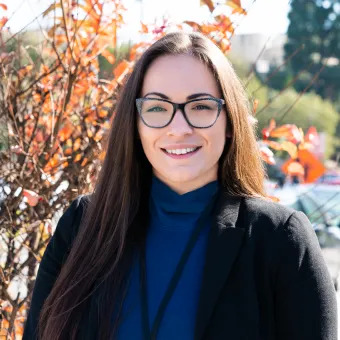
(264,276)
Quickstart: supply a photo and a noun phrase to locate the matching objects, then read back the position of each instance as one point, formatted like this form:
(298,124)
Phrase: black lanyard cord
(144,297)
(152,335)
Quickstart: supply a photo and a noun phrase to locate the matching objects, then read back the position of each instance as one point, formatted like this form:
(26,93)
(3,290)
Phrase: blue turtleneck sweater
(173,218)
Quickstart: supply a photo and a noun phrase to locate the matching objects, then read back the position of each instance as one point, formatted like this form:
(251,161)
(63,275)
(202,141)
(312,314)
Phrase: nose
(179,126)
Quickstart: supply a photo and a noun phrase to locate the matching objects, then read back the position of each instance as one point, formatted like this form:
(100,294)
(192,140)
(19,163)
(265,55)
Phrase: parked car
(304,198)
(330,178)
(329,197)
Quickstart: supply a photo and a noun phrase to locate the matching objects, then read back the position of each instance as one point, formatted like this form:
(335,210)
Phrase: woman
(177,240)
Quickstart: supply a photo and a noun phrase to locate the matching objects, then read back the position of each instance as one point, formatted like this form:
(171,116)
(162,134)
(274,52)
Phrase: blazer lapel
(224,243)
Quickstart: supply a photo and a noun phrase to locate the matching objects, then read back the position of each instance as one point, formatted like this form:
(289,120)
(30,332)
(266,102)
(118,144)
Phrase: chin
(182,176)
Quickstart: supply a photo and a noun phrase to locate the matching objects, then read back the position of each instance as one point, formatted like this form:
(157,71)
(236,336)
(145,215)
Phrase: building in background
(248,48)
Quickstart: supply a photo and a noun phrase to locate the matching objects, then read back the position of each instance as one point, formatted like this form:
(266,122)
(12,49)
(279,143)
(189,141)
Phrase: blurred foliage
(279,79)
(315,26)
(274,97)
(309,110)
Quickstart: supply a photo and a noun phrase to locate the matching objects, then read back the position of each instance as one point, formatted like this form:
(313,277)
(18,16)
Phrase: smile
(181,153)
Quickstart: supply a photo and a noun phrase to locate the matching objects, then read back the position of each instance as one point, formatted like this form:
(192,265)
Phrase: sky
(264,16)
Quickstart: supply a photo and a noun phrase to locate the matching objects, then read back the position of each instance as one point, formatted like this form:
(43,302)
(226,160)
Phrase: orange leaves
(290,147)
(102,155)
(32,197)
(84,161)
(144,28)
(266,131)
(224,24)
(313,167)
(255,105)
(221,28)
(25,70)
(207,29)
(218,30)
(236,6)
(209,3)
(302,162)
(295,169)
(78,157)
(108,56)
(60,39)
(53,162)
(91,116)
(285,146)
(65,132)
(288,131)
(68,151)
(193,24)
(76,144)
(225,45)
(7,309)
(3,22)
(312,136)
(122,69)
(310,140)
(267,155)
(93,10)
(274,145)
(51,8)
(103,113)
(36,97)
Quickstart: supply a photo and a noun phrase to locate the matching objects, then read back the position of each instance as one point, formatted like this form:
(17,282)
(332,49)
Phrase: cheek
(148,138)
(217,137)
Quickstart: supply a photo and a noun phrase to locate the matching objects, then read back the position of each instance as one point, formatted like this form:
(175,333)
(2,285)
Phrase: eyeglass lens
(200,113)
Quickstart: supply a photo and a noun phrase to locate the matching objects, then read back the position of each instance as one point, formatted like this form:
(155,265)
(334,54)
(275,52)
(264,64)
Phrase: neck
(184,186)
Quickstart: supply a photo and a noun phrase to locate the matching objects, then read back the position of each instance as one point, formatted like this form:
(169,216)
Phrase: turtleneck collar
(171,208)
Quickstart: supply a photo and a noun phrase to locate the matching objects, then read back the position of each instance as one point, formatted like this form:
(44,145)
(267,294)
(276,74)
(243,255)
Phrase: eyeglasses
(199,113)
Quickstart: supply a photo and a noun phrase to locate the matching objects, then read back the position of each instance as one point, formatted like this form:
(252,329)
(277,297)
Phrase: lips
(180,153)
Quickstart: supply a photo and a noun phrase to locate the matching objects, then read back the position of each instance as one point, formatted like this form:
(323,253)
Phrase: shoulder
(268,216)
(287,233)
(264,210)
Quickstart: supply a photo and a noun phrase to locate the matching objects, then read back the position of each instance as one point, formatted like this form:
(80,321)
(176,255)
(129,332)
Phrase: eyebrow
(192,96)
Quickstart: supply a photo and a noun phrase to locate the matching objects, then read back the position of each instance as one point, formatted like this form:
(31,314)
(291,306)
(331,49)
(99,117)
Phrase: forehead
(178,77)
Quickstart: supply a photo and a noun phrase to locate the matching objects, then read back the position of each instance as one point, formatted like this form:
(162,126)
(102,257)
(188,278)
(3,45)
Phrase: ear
(228,134)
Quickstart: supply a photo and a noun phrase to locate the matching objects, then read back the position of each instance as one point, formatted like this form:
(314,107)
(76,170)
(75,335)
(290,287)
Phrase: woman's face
(179,78)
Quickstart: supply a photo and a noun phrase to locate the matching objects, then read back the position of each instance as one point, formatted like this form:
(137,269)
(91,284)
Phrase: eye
(156,109)
(201,107)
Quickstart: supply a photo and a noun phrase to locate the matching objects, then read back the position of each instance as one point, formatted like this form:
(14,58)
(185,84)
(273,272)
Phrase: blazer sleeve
(54,256)
(305,297)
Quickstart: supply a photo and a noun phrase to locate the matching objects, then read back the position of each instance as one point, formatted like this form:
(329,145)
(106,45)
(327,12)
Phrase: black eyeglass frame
(180,106)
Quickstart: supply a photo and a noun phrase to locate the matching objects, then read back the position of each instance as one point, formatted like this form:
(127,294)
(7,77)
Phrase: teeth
(180,151)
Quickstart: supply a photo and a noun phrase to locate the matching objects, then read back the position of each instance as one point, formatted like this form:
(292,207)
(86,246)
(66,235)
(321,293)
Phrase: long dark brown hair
(115,219)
